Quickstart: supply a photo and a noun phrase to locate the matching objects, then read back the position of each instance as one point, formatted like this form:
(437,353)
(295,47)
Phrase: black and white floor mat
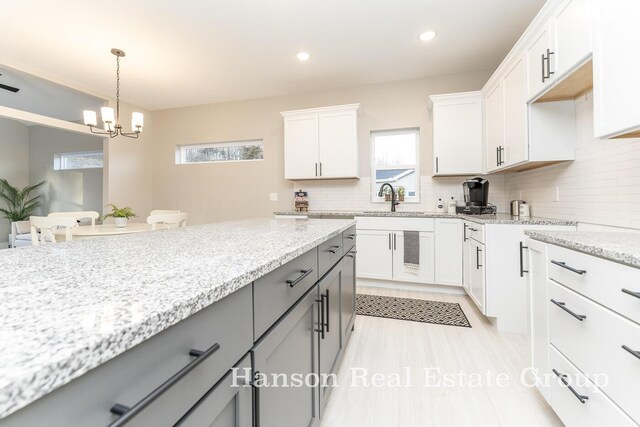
(417,310)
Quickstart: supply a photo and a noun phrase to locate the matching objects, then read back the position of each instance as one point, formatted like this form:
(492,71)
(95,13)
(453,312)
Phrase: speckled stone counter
(69,307)
(619,247)
(480,219)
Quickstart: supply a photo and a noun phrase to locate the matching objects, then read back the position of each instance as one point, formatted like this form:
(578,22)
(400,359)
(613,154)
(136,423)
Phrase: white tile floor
(390,347)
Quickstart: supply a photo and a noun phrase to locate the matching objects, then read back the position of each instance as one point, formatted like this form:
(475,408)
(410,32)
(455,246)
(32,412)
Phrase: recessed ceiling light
(427,35)
(303,56)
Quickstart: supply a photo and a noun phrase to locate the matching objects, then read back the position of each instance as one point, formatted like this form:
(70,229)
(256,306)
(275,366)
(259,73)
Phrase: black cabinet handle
(478,250)
(304,274)
(634,352)
(543,69)
(321,301)
(320,168)
(498,156)
(127,413)
(562,305)
(632,293)
(335,249)
(256,399)
(436,164)
(580,397)
(352,254)
(522,270)
(389,241)
(464,233)
(565,266)
(501,152)
(351,236)
(316,169)
(394,241)
(327,316)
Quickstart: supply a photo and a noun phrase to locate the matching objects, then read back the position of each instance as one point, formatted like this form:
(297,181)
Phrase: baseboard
(407,286)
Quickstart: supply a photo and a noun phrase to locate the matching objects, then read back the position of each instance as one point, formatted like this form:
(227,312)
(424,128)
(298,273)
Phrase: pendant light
(111,119)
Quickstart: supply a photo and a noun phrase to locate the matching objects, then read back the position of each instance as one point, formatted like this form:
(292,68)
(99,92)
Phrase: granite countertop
(619,247)
(480,219)
(69,307)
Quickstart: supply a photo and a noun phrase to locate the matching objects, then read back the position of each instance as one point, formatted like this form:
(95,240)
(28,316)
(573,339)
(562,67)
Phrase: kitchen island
(107,310)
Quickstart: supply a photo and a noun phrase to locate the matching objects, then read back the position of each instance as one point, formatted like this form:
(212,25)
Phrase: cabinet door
(537,67)
(476,274)
(301,147)
(228,404)
(457,135)
(494,125)
(338,145)
(290,348)
(331,341)
(375,259)
(516,147)
(467,256)
(572,33)
(616,43)
(348,300)
(538,306)
(448,252)
(425,271)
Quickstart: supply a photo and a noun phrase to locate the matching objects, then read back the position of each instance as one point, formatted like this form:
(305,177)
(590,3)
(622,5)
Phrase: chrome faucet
(394,202)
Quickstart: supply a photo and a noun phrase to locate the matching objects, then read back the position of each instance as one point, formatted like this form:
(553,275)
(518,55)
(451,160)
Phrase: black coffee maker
(476,197)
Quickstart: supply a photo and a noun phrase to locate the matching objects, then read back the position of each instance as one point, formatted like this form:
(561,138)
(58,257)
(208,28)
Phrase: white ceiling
(191,52)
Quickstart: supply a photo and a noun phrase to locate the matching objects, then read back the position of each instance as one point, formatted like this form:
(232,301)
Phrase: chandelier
(110,119)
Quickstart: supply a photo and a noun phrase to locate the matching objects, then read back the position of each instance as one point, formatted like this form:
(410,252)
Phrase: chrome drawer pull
(581,398)
(565,266)
(127,413)
(635,353)
(580,317)
(633,294)
(335,249)
(304,274)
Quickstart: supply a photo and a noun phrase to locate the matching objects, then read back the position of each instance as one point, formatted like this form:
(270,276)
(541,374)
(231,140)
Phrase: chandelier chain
(117,89)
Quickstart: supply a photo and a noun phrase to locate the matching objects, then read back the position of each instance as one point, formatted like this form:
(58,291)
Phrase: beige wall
(65,190)
(128,165)
(213,192)
(14,162)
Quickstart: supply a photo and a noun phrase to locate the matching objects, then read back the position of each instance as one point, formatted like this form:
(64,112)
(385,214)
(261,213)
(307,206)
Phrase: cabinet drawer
(130,377)
(474,231)
(225,404)
(596,411)
(329,253)
(595,344)
(276,292)
(602,281)
(349,239)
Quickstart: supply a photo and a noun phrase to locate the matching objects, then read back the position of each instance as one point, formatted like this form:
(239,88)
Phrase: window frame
(59,160)
(374,167)
(180,151)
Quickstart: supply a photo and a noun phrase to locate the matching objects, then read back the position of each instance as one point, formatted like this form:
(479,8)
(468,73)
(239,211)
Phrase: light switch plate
(273,197)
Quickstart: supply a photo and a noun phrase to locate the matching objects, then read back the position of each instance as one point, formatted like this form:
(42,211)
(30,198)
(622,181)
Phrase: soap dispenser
(440,207)
(451,206)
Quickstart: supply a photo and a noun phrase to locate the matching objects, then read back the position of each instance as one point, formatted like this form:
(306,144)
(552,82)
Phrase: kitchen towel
(412,251)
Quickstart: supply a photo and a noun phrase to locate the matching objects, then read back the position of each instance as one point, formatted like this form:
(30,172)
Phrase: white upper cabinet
(571,31)
(494,125)
(616,61)
(514,87)
(321,143)
(457,134)
(537,67)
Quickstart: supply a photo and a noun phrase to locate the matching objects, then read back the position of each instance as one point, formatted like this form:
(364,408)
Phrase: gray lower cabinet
(329,289)
(289,350)
(228,404)
(348,300)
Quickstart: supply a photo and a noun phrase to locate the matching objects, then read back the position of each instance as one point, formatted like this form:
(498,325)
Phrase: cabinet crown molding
(319,110)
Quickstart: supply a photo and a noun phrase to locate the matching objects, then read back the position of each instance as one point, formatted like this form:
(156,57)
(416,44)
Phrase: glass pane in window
(81,160)
(398,178)
(222,153)
(395,148)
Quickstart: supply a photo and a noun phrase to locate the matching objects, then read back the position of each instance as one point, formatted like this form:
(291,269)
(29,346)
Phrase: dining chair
(164,211)
(47,227)
(78,215)
(172,220)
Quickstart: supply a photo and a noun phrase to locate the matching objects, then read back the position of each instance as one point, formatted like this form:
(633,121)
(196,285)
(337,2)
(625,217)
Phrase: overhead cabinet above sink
(321,143)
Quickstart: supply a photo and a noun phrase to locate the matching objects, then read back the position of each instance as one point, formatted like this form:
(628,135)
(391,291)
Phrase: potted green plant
(120,215)
(19,203)
(400,190)
(387,194)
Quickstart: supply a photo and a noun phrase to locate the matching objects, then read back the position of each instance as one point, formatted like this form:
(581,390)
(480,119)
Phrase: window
(78,160)
(395,161)
(220,152)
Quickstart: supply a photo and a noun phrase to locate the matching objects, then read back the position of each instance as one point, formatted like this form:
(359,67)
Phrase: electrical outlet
(273,197)
(557,198)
